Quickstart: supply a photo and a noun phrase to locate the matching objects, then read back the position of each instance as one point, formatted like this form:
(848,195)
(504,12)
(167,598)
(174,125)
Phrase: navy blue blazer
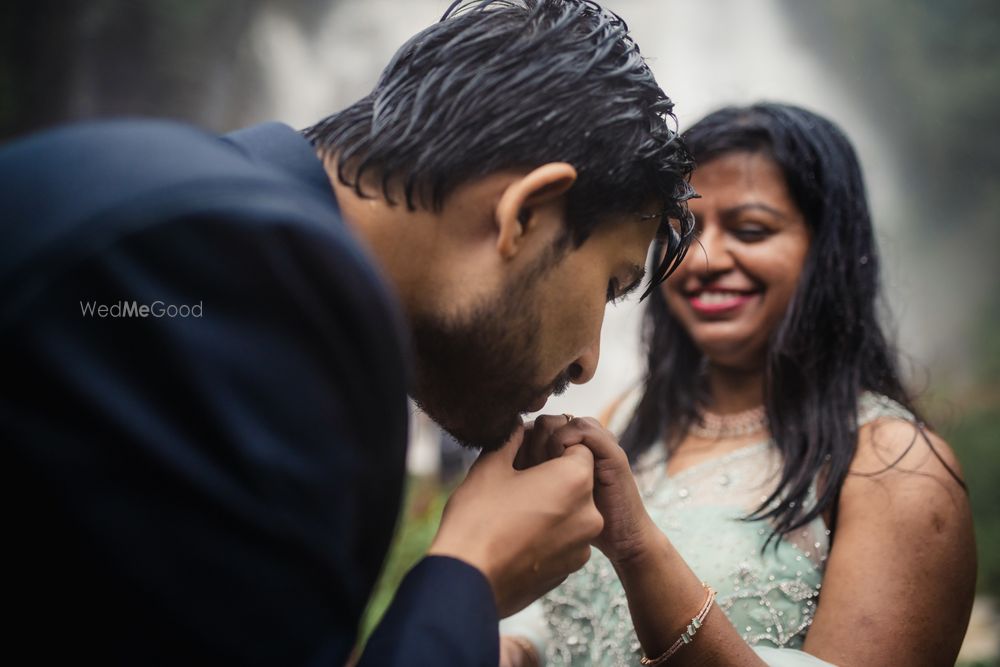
(203,411)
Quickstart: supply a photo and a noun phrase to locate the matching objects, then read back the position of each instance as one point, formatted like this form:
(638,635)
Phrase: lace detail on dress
(769,595)
(589,620)
(765,604)
(875,406)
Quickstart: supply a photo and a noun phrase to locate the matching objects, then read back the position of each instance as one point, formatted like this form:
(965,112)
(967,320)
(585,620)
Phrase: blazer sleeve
(443,614)
(216,480)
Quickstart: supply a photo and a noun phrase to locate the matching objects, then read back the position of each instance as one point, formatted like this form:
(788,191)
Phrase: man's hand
(526,530)
(628,529)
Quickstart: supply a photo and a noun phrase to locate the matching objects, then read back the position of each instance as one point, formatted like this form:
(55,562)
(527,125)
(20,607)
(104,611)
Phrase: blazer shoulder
(71,189)
(102,162)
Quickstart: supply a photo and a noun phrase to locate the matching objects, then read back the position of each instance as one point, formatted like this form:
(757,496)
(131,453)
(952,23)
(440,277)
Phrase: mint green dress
(769,595)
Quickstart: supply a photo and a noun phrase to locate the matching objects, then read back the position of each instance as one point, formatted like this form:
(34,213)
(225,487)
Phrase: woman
(776,454)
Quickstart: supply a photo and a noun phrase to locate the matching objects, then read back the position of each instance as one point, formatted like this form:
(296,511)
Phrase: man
(208,347)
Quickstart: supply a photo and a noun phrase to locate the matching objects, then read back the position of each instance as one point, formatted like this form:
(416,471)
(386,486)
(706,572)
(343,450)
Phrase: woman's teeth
(712,298)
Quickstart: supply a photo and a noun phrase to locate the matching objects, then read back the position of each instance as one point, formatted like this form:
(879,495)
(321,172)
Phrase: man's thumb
(505,454)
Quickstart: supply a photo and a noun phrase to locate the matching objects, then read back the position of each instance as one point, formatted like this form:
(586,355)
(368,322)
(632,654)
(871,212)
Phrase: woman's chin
(739,354)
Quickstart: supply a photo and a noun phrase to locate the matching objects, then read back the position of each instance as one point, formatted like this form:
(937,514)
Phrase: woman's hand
(628,530)
(516,651)
(663,593)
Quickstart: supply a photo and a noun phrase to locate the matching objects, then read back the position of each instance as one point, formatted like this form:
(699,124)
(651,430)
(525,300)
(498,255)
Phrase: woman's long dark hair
(828,349)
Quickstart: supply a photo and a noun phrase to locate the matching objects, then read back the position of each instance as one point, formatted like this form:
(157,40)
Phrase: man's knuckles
(578,474)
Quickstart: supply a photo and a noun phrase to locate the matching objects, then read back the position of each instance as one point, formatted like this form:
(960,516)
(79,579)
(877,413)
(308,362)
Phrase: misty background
(915,84)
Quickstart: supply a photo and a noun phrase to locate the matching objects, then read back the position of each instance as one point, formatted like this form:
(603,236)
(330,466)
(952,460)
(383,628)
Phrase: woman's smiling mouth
(718,301)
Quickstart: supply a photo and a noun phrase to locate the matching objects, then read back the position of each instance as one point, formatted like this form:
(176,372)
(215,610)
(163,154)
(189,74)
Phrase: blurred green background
(923,75)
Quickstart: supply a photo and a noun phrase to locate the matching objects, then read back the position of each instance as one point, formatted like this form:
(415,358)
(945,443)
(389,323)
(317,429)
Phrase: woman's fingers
(550,435)
(587,431)
(535,450)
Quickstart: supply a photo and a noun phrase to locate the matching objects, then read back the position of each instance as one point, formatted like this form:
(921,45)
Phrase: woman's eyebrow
(741,208)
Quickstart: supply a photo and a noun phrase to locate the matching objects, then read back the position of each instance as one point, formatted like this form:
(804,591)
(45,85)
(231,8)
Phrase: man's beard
(475,374)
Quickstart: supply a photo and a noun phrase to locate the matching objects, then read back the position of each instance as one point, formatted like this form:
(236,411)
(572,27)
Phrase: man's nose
(582,370)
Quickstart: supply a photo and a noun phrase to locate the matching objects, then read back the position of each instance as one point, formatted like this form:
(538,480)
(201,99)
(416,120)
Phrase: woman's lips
(717,302)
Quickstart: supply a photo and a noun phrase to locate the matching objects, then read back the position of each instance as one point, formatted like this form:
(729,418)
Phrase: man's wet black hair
(508,84)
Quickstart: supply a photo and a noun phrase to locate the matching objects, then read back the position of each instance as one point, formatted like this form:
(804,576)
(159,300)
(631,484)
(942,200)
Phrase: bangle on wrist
(688,635)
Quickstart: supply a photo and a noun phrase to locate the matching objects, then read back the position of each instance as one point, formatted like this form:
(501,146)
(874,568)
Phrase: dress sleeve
(786,657)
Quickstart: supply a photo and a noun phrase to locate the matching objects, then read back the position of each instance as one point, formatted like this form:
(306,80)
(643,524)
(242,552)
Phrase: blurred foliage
(190,60)
(975,439)
(930,72)
(418,523)
(975,435)
(979,663)
(986,339)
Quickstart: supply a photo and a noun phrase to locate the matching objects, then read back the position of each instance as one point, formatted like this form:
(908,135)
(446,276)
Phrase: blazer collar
(282,147)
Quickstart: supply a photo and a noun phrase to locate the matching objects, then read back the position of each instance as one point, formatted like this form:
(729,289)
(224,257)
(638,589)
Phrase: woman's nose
(712,247)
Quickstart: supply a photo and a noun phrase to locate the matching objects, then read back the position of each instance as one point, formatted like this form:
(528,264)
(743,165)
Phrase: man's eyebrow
(638,273)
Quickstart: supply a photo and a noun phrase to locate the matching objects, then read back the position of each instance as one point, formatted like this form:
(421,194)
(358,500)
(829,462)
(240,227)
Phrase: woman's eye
(751,234)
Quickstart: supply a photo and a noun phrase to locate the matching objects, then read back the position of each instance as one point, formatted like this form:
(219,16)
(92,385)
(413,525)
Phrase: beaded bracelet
(687,635)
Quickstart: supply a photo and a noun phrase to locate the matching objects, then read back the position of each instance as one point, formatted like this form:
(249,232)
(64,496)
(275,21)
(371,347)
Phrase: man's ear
(517,208)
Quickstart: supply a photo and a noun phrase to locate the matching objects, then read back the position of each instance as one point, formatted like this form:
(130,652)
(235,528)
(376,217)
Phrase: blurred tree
(930,71)
(185,59)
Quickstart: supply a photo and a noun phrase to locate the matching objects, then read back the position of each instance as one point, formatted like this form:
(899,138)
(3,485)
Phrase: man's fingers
(580,455)
(536,450)
(573,472)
